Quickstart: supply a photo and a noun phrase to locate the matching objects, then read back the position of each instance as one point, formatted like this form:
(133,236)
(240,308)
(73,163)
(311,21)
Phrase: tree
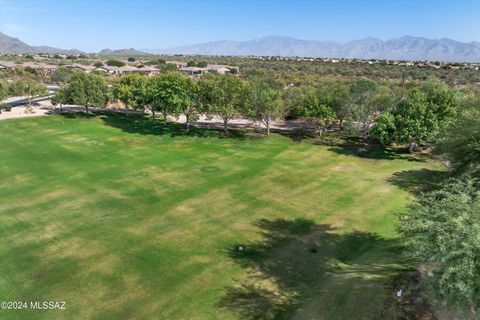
(122,88)
(131,59)
(314,111)
(264,102)
(442,230)
(224,96)
(157,61)
(363,108)
(61,97)
(87,89)
(140,97)
(62,75)
(335,94)
(461,142)
(30,89)
(3,93)
(168,67)
(168,93)
(115,63)
(418,118)
(194,103)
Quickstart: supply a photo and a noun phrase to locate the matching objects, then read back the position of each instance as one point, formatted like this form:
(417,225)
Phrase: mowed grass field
(124,218)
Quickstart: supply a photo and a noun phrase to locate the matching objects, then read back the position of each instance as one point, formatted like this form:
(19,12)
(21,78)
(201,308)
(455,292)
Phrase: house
(41,67)
(82,67)
(221,69)
(179,64)
(193,71)
(148,70)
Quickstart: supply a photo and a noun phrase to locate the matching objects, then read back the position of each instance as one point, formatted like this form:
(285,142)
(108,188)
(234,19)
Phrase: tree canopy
(86,89)
(224,97)
(264,102)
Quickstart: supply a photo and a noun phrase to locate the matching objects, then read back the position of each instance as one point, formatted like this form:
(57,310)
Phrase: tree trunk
(225,126)
(412,146)
(164,118)
(153,113)
(341,124)
(86,109)
(187,122)
(268,126)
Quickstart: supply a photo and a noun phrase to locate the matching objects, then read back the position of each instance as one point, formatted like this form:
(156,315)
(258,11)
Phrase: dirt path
(44,108)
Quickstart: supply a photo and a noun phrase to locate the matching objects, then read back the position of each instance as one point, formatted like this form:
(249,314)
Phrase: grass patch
(125,218)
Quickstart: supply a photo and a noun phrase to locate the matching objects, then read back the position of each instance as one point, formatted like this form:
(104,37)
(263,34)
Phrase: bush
(115,63)
(5,107)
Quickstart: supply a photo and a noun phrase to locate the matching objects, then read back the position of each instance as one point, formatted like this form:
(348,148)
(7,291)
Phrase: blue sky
(92,25)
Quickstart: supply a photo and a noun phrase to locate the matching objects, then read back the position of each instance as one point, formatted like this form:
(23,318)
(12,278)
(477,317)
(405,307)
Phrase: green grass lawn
(123,218)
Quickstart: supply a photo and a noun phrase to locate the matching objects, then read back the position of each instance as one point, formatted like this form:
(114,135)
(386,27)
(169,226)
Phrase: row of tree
(391,114)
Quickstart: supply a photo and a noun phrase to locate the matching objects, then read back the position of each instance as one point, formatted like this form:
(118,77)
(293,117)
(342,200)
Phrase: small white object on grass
(240,248)
(399,293)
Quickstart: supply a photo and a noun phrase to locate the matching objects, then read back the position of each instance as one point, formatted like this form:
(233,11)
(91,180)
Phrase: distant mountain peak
(13,45)
(403,48)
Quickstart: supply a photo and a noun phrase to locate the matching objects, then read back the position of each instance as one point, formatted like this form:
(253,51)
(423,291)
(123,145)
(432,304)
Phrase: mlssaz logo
(47,305)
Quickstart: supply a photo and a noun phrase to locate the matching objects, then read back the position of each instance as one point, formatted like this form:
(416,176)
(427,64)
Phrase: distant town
(48,63)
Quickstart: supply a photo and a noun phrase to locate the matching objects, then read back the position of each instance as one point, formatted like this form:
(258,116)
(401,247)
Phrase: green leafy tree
(418,118)
(157,62)
(122,88)
(3,93)
(442,230)
(87,89)
(169,94)
(61,97)
(30,89)
(364,109)
(61,75)
(140,97)
(264,102)
(317,113)
(461,141)
(131,59)
(115,63)
(194,104)
(168,67)
(224,97)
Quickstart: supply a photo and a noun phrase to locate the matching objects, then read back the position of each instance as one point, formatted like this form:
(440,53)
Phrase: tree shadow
(142,124)
(295,260)
(421,180)
(357,146)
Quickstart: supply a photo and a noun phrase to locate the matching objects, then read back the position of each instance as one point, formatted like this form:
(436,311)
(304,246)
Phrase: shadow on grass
(357,146)
(352,145)
(421,180)
(138,123)
(298,261)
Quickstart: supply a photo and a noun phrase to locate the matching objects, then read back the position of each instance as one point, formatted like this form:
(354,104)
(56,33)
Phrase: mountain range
(13,45)
(405,48)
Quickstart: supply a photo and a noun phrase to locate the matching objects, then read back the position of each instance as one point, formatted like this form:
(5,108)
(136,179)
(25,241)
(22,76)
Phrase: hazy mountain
(13,45)
(122,52)
(408,48)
